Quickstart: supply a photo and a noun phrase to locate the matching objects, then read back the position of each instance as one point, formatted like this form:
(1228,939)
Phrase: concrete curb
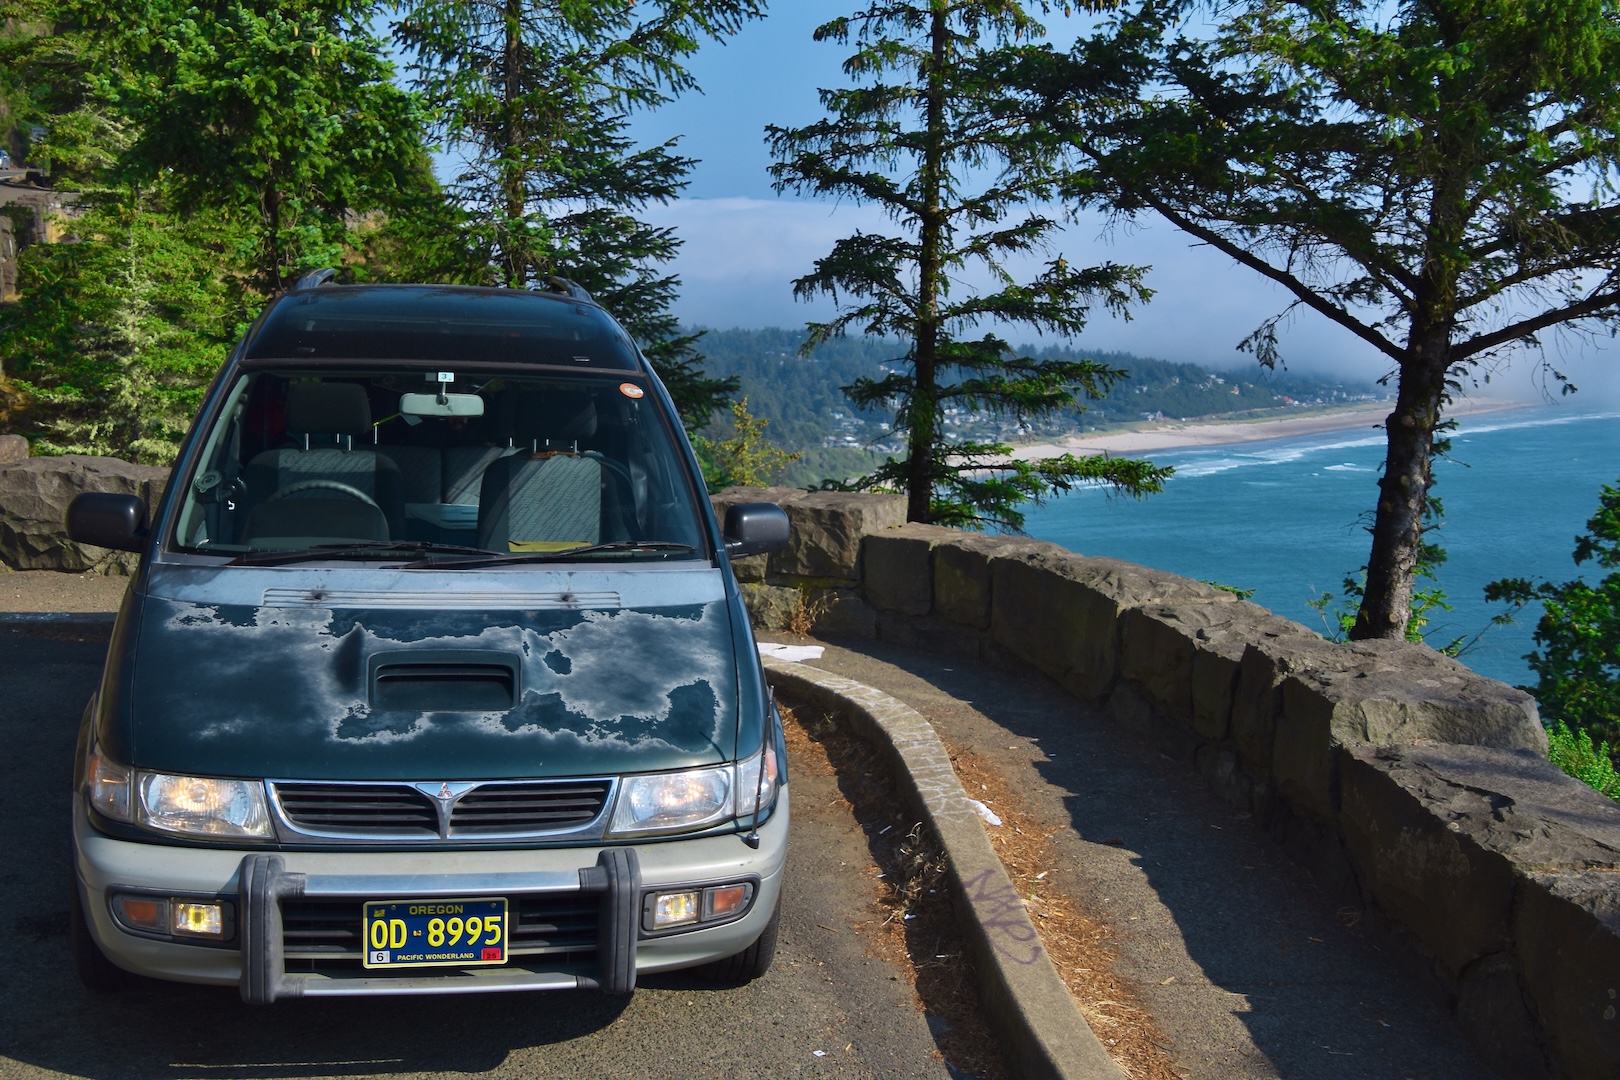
(1028,1006)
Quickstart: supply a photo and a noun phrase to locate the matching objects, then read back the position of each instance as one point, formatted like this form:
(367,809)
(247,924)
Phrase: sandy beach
(1188,436)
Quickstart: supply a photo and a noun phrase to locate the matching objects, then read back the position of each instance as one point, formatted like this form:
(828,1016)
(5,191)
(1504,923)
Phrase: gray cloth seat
(550,493)
(309,490)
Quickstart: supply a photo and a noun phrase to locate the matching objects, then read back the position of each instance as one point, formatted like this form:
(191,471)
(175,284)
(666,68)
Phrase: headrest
(555,416)
(328,409)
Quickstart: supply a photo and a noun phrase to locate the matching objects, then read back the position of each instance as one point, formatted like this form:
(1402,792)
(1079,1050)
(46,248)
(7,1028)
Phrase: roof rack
(315,278)
(567,288)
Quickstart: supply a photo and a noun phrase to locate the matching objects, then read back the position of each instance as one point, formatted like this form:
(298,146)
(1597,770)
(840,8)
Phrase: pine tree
(114,336)
(282,111)
(536,99)
(923,137)
(1436,177)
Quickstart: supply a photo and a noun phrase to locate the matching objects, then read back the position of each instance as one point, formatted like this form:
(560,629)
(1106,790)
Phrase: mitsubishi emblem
(444,791)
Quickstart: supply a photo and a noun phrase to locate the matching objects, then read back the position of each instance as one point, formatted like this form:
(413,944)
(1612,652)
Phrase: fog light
(726,901)
(142,913)
(675,909)
(198,920)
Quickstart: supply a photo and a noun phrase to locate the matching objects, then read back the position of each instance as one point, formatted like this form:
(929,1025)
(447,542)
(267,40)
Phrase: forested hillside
(801,396)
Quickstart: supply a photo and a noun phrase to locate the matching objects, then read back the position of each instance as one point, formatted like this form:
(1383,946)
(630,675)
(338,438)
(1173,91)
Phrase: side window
(213,495)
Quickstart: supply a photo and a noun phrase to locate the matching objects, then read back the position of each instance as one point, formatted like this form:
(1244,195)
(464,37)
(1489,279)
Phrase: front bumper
(586,928)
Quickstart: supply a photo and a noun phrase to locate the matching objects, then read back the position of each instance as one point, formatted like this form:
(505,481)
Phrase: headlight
(106,785)
(190,805)
(196,804)
(695,798)
(667,802)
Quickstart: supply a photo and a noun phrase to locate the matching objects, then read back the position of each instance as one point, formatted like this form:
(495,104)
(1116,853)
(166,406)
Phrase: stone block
(962,574)
(1262,666)
(1566,929)
(770,607)
(930,635)
(13,448)
(828,527)
(1185,657)
(1060,612)
(1136,713)
(841,613)
(34,497)
(897,571)
(1492,1009)
(1304,765)
(1389,692)
(1401,823)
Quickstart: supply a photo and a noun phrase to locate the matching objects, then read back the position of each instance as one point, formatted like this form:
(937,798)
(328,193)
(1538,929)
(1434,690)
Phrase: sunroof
(442,323)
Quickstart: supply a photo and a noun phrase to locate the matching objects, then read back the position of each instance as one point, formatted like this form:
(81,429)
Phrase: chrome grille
(359,809)
(390,813)
(496,809)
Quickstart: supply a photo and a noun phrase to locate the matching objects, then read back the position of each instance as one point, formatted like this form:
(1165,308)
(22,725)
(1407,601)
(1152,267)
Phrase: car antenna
(752,839)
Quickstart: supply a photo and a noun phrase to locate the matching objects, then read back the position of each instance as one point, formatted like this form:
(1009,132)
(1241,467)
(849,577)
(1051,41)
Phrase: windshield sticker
(631,390)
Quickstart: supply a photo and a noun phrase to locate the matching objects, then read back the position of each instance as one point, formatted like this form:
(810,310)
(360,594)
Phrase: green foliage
(746,458)
(1436,178)
(536,100)
(918,137)
(281,111)
(1591,764)
(115,336)
(1339,619)
(1577,663)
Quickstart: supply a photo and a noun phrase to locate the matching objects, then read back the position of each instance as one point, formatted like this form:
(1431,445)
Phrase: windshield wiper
(354,550)
(618,547)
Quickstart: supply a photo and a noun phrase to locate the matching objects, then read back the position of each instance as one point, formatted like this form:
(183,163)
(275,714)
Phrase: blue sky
(744,244)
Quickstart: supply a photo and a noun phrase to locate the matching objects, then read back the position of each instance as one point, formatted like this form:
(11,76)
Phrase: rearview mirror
(441,405)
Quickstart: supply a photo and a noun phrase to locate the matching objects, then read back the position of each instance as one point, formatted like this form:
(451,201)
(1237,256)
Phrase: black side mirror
(753,528)
(109,521)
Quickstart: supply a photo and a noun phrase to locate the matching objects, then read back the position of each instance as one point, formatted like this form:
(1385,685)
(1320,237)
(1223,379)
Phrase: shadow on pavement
(1245,963)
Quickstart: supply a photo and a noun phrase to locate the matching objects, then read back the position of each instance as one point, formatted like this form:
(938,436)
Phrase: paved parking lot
(824,993)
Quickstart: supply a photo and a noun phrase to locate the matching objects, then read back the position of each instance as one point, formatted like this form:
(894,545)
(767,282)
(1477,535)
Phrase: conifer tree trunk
(925,399)
(1398,520)
(511,168)
(1386,604)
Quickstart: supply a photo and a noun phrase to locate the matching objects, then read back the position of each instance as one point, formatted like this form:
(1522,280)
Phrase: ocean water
(1285,518)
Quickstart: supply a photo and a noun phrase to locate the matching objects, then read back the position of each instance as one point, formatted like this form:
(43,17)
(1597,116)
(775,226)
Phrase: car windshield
(425,466)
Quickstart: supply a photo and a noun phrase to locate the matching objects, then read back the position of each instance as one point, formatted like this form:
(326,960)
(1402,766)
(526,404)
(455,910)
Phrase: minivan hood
(304,691)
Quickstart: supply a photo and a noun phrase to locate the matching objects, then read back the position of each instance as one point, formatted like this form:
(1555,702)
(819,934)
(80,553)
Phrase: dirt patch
(913,921)
(1077,941)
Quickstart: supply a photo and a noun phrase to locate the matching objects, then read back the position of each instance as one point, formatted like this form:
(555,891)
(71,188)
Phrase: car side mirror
(110,521)
(755,528)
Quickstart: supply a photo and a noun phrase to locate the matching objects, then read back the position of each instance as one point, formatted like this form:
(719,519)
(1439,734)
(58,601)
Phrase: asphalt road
(824,995)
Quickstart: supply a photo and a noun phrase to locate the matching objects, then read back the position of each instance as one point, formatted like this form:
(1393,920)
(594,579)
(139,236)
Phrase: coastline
(1196,434)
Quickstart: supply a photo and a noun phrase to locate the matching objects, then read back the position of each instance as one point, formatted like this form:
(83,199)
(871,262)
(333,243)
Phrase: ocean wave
(1465,429)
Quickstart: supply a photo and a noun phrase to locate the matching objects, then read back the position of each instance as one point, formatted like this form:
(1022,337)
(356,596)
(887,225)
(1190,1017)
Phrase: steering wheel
(325,485)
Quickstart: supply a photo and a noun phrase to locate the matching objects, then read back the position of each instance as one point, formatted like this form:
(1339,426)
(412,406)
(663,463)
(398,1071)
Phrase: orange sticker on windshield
(630,390)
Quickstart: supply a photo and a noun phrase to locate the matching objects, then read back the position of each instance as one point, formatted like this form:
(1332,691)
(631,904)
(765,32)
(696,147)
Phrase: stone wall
(1409,785)
(34,497)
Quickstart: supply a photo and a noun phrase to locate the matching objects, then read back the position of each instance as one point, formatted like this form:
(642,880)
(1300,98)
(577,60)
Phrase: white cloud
(741,255)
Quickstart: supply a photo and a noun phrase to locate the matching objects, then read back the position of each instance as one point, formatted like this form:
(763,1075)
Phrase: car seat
(547,496)
(322,487)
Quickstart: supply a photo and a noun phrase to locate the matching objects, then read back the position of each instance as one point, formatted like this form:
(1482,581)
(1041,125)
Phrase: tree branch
(1310,298)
